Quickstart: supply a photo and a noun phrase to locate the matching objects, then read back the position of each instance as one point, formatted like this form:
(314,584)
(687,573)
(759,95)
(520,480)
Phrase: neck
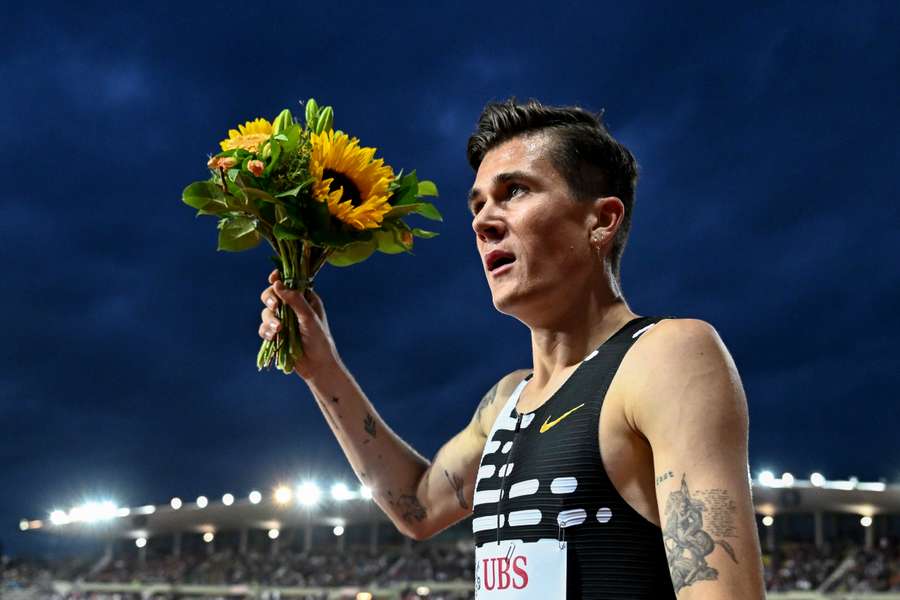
(568,336)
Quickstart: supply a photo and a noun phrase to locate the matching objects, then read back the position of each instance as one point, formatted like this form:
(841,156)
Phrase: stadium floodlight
(273,534)
(282,494)
(308,493)
(255,497)
(766,478)
(365,491)
(363,595)
(768,520)
(92,512)
(140,542)
(209,536)
(817,479)
(175,503)
(866,521)
(423,590)
(123,512)
(23,525)
(59,517)
(227,499)
(340,491)
(787,479)
(338,530)
(202,501)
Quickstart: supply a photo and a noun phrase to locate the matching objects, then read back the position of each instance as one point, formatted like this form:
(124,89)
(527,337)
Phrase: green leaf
(425,209)
(295,190)
(423,233)
(237,234)
(200,193)
(352,253)
(259,194)
(427,188)
(284,231)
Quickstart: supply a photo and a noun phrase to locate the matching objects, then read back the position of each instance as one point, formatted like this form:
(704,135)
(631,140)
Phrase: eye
(516,186)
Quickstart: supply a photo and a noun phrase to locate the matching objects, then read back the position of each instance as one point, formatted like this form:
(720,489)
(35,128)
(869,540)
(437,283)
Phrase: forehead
(526,153)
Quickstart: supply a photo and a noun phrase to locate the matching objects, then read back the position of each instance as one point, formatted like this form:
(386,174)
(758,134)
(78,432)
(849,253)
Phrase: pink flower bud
(256,167)
(221,162)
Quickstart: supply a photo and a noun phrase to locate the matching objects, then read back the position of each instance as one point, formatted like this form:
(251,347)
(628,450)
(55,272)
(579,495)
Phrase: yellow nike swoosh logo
(548,423)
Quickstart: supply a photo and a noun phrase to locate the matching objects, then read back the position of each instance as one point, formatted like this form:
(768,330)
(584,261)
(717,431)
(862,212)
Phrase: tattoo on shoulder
(456,482)
(487,400)
(665,476)
(696,522)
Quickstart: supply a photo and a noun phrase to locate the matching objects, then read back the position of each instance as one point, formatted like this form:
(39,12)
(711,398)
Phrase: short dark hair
(591,161)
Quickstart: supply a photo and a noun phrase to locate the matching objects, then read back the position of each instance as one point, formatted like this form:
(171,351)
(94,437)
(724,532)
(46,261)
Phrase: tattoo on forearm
(456,482)
(665,476)
(486,401)
(409,506)
(369,425)
(692,519)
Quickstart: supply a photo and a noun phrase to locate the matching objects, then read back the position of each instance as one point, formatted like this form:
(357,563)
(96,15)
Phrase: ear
(605,217)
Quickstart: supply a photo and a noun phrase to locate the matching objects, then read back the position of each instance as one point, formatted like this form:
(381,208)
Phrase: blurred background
(767,206)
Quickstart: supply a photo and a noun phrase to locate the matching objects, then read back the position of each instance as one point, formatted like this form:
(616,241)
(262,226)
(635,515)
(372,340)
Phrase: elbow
(416,533)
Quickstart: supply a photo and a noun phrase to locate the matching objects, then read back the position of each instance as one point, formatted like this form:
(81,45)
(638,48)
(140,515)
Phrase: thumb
(296,301)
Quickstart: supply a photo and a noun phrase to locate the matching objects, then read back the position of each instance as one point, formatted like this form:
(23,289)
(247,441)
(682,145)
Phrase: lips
(498,258)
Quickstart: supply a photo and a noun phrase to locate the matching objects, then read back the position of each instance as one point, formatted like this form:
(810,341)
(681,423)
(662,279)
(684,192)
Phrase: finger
(268,298)
(274,276)
(296,301)
(270,319)
(315,302)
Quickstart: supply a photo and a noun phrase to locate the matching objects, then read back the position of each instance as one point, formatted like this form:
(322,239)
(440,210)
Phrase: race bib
(521,571)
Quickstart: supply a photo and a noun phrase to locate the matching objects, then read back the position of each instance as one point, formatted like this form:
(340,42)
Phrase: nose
(486,224)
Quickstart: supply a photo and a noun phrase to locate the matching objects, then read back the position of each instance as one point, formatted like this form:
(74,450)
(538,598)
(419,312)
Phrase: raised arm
(421,497)
(692,410)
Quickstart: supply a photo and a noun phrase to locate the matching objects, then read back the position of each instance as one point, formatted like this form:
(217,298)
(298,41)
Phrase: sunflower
(346,177)
(250,136)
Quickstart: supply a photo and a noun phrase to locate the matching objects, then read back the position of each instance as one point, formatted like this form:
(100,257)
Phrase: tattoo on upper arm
(486,401)
(456,482)
(665,476)
(696,521)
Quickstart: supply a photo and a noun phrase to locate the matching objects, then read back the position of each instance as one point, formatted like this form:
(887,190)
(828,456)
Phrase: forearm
(379,457)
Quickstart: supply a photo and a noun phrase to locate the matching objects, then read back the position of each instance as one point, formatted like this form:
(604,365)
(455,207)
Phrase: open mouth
(497,259)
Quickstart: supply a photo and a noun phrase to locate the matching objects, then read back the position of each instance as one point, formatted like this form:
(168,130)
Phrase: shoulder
(496,397)
(677,362)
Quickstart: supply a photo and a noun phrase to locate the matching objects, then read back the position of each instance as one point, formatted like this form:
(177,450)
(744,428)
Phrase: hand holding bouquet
(316,196)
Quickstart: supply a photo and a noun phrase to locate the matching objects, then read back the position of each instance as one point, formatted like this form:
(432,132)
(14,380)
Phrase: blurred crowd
(834,568)
(793,567)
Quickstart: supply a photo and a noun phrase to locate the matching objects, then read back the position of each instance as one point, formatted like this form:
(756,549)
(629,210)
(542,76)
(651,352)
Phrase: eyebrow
(499,178)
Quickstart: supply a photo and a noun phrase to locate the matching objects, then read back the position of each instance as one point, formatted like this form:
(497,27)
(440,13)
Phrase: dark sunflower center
(351,192)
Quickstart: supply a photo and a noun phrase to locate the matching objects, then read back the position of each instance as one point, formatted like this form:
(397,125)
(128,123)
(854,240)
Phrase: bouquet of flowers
(316,196)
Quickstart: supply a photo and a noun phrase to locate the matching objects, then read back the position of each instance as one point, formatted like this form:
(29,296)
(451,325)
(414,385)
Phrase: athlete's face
(521,205)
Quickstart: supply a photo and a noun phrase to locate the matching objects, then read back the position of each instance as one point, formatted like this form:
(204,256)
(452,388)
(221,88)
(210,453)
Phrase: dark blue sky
(768,206)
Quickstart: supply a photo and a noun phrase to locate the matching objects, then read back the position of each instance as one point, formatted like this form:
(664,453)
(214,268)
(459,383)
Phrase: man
(648,497)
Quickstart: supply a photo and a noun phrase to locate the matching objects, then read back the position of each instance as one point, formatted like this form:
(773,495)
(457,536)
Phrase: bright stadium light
(766,478)
(423,590)
(363,595)
(787,479)
(140,542)
(273,534)
(175,503)
(308,493)
(227,499)
(365,491)
(768,520)
(59,517)
(866,521)
(340,491)
(202,501)
(338,530)
(817,479)
(255,497)
(92,512)
(123,512)
(283,494)
(23,525)
(208,537)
